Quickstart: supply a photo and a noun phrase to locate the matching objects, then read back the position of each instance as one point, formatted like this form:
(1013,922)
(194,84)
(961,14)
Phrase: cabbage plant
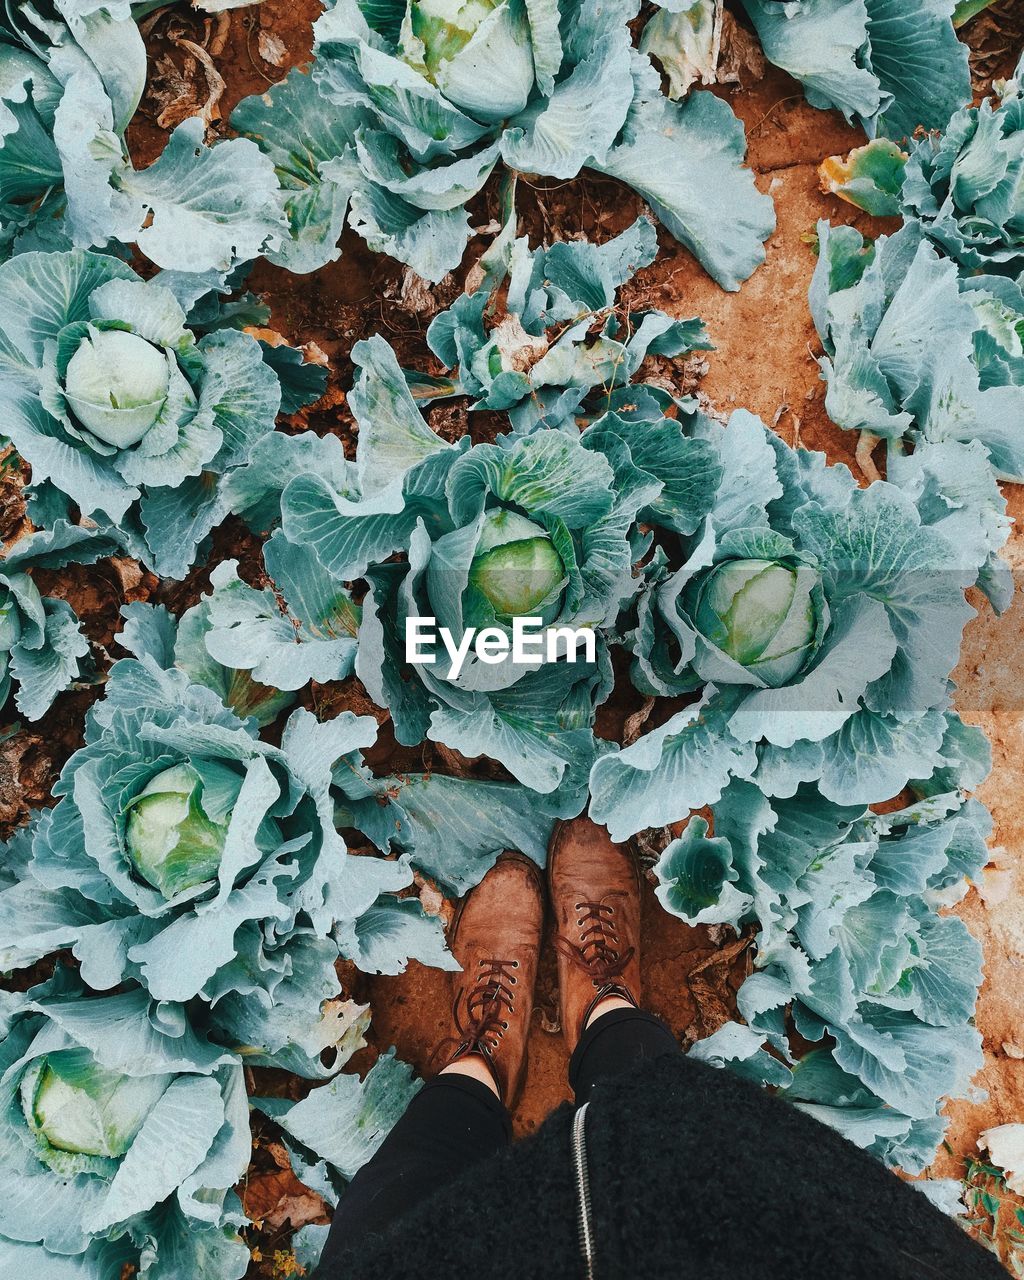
(71,76)
(851,951)
(546,336)
(964,185)
(188,856)
(537,522)
(122,1133)
(152,632)
(41,642)
(818,623)
(63,65)
(408,109)
(114,403)
(889,65)
(915,353)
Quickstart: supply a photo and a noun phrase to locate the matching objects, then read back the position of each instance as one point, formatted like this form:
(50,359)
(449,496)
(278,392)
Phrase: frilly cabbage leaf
(891,65)
(848,945)
(41,643)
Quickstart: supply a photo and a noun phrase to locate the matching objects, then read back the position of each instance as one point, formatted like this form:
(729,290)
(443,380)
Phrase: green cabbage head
(516,569)
(452,41)
(761,614)
(124,1131)
(116,382)
(171,842)
(73,1104)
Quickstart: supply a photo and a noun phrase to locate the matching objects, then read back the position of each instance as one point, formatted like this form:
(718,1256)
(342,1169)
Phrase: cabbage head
(63,66)
(123,1133)
(543,522)
(763,614)
(540,524)
(113,402)
(516,571)
(410,107)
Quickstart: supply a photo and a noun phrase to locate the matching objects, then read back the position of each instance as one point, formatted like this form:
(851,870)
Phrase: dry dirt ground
(764,360)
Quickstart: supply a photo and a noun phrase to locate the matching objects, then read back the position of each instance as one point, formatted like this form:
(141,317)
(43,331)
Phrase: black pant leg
(452,1122)
(616,1042)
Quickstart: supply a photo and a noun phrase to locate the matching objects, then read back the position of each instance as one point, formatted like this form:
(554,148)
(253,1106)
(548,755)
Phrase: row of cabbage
(923,336)
(408,109)
(208,876)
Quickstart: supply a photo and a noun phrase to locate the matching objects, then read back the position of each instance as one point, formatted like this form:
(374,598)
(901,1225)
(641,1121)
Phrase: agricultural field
(699,329)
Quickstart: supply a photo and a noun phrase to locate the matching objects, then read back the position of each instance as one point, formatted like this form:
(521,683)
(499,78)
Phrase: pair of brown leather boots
(595,893)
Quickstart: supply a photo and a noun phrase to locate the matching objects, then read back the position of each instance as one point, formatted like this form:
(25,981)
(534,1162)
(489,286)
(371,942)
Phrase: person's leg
(614,1041)
(595,893)
(452,1122)
(460,1116)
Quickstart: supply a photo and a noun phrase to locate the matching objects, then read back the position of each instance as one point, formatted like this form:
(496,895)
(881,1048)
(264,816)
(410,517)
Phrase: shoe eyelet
(579,924)
(515,964)
(504,1026)
(514,981)
(596,984)
(577,906)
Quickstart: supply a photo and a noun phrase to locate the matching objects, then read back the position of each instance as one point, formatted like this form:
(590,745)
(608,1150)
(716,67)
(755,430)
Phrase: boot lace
(480,1012)
(598,953)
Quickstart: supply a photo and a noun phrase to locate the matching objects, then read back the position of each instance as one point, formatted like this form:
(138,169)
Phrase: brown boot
(595,893)
(497,939)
